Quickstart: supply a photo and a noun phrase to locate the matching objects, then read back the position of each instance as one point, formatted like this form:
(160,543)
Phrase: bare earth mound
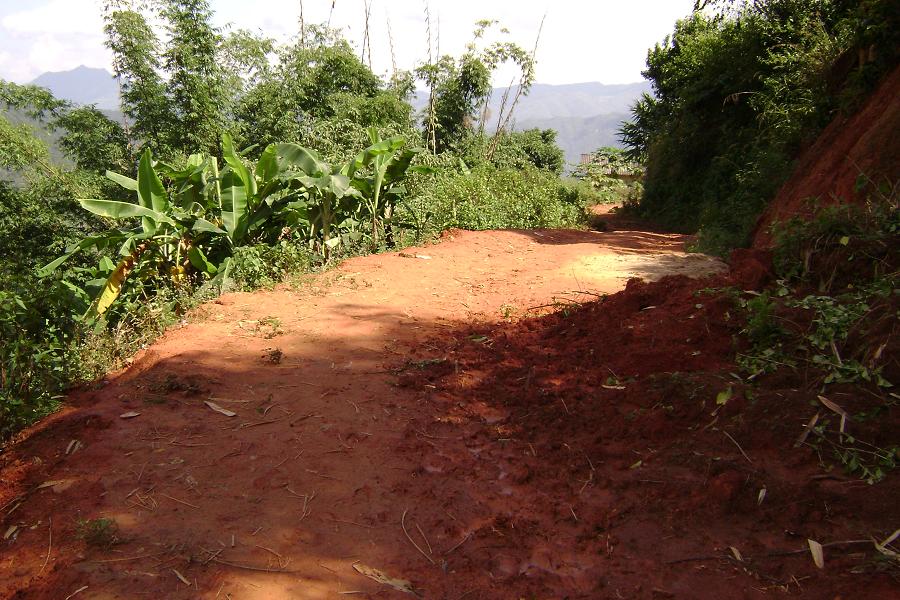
(852,148)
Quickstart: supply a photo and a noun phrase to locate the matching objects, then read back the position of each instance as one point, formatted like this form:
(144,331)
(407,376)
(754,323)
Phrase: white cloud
(57,16)
(53,36)
(582,40)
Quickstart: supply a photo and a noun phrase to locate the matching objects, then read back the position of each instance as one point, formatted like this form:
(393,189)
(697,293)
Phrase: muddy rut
(268,447)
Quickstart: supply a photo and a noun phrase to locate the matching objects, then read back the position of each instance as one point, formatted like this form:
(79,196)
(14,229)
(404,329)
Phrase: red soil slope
(864,144)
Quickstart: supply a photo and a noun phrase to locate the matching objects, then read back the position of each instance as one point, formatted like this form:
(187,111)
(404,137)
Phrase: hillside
(861,145)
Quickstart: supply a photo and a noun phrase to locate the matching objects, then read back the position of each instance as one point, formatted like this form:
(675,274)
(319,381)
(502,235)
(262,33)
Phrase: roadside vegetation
(238,162)
(740,88)
(829,322)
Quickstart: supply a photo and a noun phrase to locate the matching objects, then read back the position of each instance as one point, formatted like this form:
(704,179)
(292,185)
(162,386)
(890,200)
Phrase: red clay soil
(864,144)
(419,421)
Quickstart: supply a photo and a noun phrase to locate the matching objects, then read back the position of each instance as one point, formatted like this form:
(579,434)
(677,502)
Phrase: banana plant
(387,162)
(326,189)
(205,214)
(165,231)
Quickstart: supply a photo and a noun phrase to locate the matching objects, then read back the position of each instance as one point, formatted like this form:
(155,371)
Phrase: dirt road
(309,476)
(282,444)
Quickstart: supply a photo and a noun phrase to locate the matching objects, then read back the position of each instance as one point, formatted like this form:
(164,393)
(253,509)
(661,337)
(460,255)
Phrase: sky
(581,40)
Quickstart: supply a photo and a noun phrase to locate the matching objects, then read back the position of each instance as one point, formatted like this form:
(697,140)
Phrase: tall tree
(136,65)
(196,82)
(462,87)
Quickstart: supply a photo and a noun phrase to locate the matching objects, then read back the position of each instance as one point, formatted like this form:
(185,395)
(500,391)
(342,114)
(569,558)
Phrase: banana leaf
(114,209)
(151,193)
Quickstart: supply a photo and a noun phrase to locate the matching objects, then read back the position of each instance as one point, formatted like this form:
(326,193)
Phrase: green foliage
(93,141)
(488,198)
(615,176)
(813,333)
(869,462)
(832,318)
(849,237)
(459,89)
(264,265)
(318,91)
(196,81)
(736,95)
(192,228)
(136,65)
(22,151)
(513,150)
(30,364)
(101,533)
(762,327)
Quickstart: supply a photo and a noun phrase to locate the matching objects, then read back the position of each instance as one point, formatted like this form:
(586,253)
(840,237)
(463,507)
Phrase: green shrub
(736,97)
(832,318)
(487,198)
(32,364)
(262,265)
(856,238)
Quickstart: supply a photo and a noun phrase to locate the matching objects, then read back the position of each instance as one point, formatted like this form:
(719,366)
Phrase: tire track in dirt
(314,471)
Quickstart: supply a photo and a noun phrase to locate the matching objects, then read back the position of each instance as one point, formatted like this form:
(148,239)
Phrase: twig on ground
(213,555)
(427,543)
(269,550)
(322,475)
(181,577)
(303,418)
(364,526)
(458,544)
(252,568)
(728,435)
(409,537)
(76,592)
(130,558)
(766,555)
(257,424)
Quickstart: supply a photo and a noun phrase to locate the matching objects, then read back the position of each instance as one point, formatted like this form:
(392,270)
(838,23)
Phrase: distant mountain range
(586,115)
(83,85)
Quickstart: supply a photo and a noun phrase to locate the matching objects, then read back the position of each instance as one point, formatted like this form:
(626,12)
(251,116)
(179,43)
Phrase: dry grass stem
(179,501)
(76,592)
(129,558)
(409,537)
(424,537)
(219,561)
(49,545)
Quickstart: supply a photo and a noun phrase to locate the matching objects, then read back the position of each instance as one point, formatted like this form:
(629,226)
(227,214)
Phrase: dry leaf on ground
(818,554)
(219,409)
(400,585)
